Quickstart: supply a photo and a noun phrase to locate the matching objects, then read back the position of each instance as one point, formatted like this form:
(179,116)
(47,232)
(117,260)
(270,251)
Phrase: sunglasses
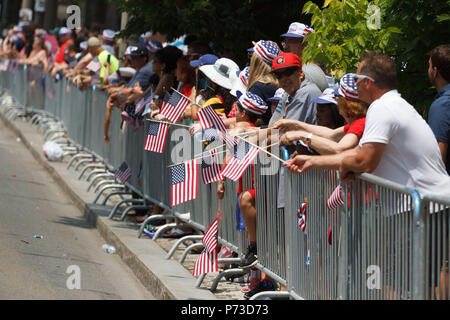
(361,76)
(287,73)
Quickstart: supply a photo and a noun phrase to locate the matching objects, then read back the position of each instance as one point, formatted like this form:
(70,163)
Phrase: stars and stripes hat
(239,81)
(266,50)
(297,30)
(277,96)
(347,88)
(251,102)
(328,96)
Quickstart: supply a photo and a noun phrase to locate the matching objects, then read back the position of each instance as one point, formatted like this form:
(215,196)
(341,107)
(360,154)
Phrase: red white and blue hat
(347,88)
(252,102)
(297,30)
(239,81)
(328,96)
(277,96)
(266,50)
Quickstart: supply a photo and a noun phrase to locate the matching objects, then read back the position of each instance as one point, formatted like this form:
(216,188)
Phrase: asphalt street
(68,262)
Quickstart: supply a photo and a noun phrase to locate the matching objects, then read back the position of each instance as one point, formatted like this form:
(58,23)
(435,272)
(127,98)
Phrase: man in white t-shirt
(397,143)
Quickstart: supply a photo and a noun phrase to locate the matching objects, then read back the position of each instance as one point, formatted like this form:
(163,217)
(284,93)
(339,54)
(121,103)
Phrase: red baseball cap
(286,60)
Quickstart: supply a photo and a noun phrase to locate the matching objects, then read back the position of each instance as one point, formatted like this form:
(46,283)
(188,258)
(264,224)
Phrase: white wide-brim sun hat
(219,72)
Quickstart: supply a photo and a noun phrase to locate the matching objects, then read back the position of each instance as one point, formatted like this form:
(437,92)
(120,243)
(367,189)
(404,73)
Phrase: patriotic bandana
(301,217)
(266,50)
(347,88)
(252,102)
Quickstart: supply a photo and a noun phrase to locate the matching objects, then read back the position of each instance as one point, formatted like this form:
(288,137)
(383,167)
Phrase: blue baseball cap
(204,60)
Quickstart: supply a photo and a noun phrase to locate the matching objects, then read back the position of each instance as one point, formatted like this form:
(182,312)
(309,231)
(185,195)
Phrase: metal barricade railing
(435,215)
(383,243)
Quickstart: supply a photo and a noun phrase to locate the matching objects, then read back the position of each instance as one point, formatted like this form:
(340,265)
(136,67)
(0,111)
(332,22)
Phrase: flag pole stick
(271,154)
(200,155)
(170,123)
(182,94)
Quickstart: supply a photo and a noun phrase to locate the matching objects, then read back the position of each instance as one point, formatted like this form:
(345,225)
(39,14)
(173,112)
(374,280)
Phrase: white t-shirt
(412,155)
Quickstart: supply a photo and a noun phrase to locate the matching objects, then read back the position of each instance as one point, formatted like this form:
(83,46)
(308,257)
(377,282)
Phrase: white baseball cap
(277,96)
(297,30)
(328,96)
(64,31)
(108,34)
(220,71)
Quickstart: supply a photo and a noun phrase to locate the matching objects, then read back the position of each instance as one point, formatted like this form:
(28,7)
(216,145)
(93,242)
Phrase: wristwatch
(308,139)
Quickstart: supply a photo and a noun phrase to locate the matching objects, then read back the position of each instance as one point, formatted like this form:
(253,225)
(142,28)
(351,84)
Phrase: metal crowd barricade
(384,242)
(435,216)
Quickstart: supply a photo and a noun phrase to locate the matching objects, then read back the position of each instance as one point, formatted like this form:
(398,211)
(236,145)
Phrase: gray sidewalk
(165,279)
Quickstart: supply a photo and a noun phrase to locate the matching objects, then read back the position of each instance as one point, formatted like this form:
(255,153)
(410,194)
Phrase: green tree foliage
(407,31)
(230,25)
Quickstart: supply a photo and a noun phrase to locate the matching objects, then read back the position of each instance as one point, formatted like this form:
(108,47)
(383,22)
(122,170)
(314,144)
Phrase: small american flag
(4,65)
(156,137)
(184,182)
(175,107)
(301,216)
(209,118)
(211,168)
(94,66)
(243,156)
(14,66)
(141,103)
(335,199)
(123,174)
(208,259)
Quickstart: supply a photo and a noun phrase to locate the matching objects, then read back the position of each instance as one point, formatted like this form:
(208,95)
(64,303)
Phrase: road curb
(151,280)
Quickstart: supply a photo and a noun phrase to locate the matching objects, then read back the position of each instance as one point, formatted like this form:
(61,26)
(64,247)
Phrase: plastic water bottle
(108,248)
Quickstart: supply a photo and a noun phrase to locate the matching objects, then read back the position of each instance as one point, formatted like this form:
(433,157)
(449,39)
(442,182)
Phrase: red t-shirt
(357,127)
(186,89)
(61,53)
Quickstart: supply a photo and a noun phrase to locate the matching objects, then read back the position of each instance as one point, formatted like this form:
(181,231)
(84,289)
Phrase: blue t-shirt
(143,76)
(439,119)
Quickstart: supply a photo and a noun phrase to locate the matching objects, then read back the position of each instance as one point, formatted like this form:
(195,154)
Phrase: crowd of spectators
(357,124)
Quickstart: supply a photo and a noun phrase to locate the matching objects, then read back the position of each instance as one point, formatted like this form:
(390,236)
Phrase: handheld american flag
(243,156)
(145,100)
(209,118)
(301,216)
(156,137)
(335,199)
(208,259)
(211,168)
(123,174)
(94,66)
(184,182)
(175,107)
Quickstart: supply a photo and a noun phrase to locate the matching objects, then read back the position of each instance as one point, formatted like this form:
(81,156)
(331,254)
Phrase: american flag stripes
(266,50)
(209,118)
(123,174)
(243,156)
(184,182)
(347,87)
(211,168)
(208,259)
(145,100)
(94,66)
(175,107)
(335,199)
(156,137)
(301,216)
